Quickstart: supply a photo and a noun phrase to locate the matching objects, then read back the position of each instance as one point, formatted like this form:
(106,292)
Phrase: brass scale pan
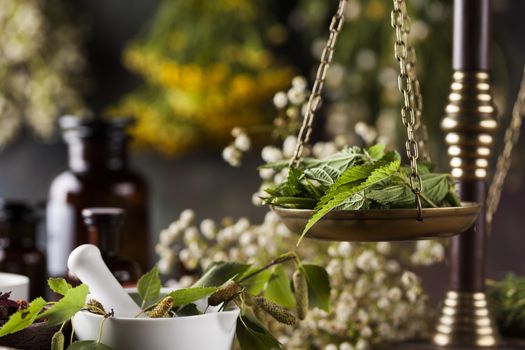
(383,225)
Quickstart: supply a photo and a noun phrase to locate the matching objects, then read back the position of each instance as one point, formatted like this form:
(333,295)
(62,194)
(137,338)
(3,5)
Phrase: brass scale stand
(465,321)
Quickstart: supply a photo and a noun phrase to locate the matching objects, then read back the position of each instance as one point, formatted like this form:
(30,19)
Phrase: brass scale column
(470,126)
(465,321)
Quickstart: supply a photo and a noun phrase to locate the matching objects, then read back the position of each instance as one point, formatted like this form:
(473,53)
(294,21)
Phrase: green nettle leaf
(88,345)
(59,285)
(253,336)
(325,175)
(354,202)
(65,308)
(278,288)
(189,295)
(23,318)
(149,286)
(220,272)
(436,188)
(376,152)
(256,284)
(318,286)
(189,310)
(354,180)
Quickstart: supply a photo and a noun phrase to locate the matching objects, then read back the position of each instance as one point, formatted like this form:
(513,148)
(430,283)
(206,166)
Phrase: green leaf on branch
(318,286)
(278,288)
(220,272)
(149,286)
(88,345)
(72,302)
(58,285)
(23,318)
(255,285)
(189,295)
(253,336)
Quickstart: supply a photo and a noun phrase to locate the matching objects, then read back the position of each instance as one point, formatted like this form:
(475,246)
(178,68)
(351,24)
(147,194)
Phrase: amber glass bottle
(103,226)
(18,249)
(98,176)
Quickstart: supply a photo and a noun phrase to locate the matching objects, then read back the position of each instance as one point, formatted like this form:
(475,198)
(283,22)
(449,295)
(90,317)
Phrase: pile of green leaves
(356,179)
(269,285)
(507,300)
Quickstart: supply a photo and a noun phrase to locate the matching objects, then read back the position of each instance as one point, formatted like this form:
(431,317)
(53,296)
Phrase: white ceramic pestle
(87,264)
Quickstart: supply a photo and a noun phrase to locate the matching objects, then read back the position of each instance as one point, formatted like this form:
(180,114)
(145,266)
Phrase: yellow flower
(375,10)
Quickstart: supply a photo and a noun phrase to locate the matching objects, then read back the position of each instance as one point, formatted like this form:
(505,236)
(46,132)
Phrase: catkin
(95,307)
(278,312)
(224,293)
(57,342)
(301,293)
(162,309)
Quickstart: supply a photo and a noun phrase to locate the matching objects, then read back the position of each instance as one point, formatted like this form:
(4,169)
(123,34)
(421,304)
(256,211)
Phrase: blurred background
(190,72)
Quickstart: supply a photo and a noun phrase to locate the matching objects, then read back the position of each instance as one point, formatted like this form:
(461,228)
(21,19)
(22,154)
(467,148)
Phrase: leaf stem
(72,332)
(428,200)
(279,260)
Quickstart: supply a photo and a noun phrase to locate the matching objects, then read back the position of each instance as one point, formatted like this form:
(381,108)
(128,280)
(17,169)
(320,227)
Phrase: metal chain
(512,135)
(315,97)
(408,84)
(417,99)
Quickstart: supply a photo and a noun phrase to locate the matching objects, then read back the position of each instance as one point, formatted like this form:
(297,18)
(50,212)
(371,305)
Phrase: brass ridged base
(429,346)
(465,320)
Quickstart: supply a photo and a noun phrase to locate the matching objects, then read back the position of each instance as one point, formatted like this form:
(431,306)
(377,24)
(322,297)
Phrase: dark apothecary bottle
(103,226)
(98,176)
(18,248)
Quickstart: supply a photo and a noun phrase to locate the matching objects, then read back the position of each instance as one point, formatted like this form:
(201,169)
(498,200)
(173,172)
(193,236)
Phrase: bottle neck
(97,155)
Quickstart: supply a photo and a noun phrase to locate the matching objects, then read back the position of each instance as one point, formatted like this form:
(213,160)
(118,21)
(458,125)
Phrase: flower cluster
(40,60)
(290,107)
(201,81)
(233,152)
(374,301)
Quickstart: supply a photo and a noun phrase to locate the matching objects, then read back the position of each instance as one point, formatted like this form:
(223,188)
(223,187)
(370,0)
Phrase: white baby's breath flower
(362,345)
(392,266)
(280,100)
(366,332)
(367,261)
(232,155)
(164,266)
(271,154)
(256,199)
(394,294)
(266,173)
(296,96)
(243,143)
(289,144)
(409,279)
(344,249)
(208,228)
(383,247)
(299,83)
(346,346)
(187,217)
